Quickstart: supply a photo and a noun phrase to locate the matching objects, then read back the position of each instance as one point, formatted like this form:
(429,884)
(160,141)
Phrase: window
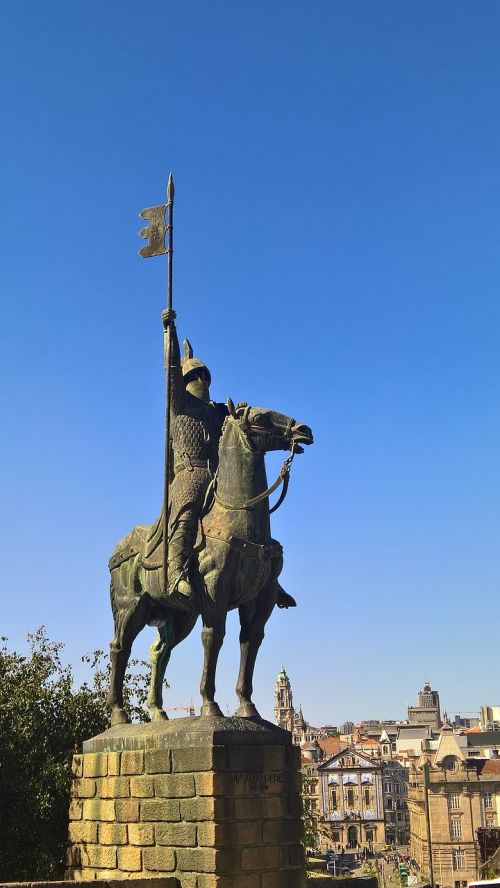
(396,788)
(350,798)
(454,801)
(450,763)
(367,796)
(335,836)
(488,800)
(399,817)
(388,804)
(387,787)
(369,835)
(333,798)
(458,858)
(456,828)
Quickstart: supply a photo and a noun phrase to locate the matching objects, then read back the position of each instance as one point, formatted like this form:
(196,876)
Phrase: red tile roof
(331,745)
(491,766)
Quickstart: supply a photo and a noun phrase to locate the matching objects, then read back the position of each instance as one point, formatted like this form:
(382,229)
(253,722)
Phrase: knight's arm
(171,342)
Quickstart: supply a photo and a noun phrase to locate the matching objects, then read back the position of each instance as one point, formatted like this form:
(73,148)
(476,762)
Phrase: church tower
(283,703)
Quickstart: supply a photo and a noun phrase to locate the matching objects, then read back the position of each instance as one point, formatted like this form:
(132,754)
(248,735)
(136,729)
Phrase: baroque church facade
(352,801)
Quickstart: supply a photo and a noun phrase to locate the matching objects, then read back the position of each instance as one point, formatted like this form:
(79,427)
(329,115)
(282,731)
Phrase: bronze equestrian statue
(217,553)
(228,560)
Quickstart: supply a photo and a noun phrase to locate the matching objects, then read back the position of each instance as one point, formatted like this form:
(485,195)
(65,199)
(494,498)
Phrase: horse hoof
(158,715)
(119,717)
(211,708)
(246,710)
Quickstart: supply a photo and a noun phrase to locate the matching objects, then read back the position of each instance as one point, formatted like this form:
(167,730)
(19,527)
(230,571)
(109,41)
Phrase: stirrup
(173,590)
(177,598)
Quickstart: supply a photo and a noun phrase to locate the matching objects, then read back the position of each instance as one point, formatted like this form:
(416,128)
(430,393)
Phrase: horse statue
(235,564)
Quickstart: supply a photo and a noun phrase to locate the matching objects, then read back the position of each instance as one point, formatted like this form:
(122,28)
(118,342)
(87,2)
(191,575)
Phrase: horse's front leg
(212,636)
(253,618)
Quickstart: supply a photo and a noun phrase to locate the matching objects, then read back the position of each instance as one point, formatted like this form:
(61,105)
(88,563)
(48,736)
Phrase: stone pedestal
(209,801)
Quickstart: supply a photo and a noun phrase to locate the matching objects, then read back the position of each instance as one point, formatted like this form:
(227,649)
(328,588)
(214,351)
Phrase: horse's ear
(230,407)
(188,350)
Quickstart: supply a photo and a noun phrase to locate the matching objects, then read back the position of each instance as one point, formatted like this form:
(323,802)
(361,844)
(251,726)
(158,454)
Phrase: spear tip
(170,187)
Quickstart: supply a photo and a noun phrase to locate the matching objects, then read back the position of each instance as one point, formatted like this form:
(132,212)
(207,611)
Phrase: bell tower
(283,703)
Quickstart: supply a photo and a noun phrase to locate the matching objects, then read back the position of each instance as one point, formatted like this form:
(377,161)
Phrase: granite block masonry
(209,801)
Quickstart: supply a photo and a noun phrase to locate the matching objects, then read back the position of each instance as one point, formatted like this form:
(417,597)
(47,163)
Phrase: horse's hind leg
(176,628)
(212,635)
(159,655)
(253,618)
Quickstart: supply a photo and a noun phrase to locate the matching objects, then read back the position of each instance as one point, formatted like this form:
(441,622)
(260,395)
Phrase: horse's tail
(112,595)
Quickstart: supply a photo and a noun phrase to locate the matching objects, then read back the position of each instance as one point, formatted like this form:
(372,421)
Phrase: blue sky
(337,258)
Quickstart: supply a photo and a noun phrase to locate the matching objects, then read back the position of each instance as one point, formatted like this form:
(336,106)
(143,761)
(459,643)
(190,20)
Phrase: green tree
(44,719)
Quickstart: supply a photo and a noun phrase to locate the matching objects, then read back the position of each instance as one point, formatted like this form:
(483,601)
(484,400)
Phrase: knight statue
(196,429)
(210,550)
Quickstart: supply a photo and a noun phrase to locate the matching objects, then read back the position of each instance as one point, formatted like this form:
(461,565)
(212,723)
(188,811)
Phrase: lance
(155,233)
(167,340)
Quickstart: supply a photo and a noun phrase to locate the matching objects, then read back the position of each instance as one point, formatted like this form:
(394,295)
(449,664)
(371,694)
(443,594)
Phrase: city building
(395,791)
(450,797)
(409,739)
(351,802)
(482,744)
(466,721)
(427,711)
(489,718)
(303,732)
(310,797)
(420,782)
(346,728)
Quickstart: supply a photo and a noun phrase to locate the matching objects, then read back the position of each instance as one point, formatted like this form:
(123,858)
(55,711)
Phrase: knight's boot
(178,582)
(179,588)
(187,490)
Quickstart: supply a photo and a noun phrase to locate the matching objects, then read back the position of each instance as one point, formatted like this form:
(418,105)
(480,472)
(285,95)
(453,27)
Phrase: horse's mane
(230,415)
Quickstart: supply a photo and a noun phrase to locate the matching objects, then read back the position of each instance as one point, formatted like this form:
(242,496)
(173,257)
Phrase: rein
(283,478)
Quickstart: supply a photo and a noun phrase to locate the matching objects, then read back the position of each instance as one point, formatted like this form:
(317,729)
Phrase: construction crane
(189,709)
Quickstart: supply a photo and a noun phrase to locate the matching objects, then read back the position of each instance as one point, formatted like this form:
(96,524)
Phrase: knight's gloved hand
(168,316)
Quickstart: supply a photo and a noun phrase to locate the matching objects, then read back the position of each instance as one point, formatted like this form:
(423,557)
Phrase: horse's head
(266,430)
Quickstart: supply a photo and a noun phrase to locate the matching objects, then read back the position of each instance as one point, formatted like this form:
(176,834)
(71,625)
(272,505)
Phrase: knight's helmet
(189,364)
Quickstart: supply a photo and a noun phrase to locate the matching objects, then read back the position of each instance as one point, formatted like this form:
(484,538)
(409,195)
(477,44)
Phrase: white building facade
(351,802)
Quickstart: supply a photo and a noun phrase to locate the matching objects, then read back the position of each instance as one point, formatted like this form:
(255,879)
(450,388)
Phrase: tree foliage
(44,719)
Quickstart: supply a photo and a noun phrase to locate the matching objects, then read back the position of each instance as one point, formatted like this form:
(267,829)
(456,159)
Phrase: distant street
(386,868)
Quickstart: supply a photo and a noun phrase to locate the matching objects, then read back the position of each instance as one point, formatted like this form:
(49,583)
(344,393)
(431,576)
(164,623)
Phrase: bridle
(243,427)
